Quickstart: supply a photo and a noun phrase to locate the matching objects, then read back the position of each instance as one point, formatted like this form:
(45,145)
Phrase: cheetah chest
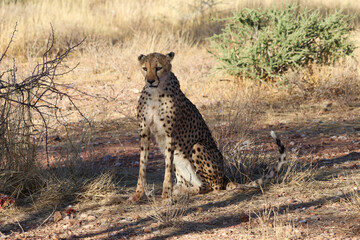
(156,118)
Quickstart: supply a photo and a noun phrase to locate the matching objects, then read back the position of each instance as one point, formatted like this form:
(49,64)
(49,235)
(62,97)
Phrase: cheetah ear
(141,57)
(170,56)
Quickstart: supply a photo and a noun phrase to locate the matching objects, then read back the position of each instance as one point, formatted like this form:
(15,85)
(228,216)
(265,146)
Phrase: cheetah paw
(134,198)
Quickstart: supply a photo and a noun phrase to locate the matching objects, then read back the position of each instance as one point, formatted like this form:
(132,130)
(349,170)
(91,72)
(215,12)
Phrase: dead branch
(21,99)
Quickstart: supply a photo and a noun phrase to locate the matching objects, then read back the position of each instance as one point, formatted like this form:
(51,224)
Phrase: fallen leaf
(57,216)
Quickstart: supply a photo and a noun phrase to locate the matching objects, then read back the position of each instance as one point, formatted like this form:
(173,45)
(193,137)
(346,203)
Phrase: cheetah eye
(158,68)
(145,69)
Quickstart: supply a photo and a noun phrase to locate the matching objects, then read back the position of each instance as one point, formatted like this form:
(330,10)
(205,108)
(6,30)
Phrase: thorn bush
(263,44)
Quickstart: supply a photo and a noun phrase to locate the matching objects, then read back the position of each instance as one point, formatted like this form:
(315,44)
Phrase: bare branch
(7,48)
(21,99)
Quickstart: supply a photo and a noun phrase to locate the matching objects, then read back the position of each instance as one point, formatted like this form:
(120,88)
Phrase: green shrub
(264,44)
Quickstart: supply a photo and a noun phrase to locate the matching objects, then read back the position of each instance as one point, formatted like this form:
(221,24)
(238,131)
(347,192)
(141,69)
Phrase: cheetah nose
(151,81)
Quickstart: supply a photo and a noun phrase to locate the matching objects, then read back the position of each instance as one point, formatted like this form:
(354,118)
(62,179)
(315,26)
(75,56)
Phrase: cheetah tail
(282,157)
(274,170)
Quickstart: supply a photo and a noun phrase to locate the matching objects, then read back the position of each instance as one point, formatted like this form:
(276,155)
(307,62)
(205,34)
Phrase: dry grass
(122,22)
(103,188)
(167,214)
(335,82)
(269,225)
(21,183)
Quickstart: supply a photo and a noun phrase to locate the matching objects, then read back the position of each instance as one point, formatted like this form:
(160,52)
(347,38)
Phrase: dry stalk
(167,214)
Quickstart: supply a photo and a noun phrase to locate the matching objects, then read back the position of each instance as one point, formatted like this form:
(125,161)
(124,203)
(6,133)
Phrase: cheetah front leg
(144,156)
(169,159)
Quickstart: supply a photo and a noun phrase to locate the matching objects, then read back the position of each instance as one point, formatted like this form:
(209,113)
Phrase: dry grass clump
(55,189)
(99,188)
(20,183)
(337,81)
(296,173)
(167,214)
(243,167)
(58,191)
(245,162)
(268,224)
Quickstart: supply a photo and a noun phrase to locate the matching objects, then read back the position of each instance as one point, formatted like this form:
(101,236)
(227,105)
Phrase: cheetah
(180,132)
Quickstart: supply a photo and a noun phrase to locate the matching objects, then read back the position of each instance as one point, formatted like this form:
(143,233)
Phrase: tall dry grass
(122,22)
(118,31)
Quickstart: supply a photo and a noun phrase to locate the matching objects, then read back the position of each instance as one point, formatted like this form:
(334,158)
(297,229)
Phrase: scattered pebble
(315,217)
(199,209)
(147,229)
(303,221)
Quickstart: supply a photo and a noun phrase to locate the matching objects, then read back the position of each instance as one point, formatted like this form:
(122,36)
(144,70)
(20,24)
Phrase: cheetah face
(155,67)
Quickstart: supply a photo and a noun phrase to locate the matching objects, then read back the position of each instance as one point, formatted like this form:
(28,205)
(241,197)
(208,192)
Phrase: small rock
(72,222)
(327,105)
(199,209)
(91,218)
(324,110)
(315,217)
(155,225)
(147,230)
(57,216)
(244,217)
(136,217)
(341,177)
(128,219)
(83,216)
(303,221)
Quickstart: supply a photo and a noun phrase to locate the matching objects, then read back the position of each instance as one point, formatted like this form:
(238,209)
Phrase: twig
(11,40)
(47,218)
(20,226)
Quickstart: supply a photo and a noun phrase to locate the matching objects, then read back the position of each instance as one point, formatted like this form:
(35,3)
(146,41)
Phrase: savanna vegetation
(69,84)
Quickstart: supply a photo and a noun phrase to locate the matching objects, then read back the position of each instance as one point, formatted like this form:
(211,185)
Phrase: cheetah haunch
(180,132)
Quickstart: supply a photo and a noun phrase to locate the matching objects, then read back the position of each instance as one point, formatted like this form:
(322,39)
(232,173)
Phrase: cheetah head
(155,67)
